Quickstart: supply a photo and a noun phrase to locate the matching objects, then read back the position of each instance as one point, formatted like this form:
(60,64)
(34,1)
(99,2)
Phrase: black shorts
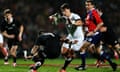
(12,42)
(95,39)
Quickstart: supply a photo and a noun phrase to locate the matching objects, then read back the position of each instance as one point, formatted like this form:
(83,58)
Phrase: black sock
(67,62)
(107,57)
(83,56)
(14,59)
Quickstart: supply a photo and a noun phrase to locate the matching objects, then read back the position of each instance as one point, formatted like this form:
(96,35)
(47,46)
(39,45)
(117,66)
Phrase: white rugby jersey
(74,31)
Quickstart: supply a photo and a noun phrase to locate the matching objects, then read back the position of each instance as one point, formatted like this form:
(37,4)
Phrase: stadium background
(34,14)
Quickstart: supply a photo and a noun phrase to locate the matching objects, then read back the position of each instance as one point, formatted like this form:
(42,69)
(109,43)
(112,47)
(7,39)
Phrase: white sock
(25,53)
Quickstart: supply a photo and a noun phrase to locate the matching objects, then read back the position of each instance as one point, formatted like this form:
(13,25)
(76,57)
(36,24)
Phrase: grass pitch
(53,65)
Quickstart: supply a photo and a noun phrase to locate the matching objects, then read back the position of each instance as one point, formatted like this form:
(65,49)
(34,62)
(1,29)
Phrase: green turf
(52,65)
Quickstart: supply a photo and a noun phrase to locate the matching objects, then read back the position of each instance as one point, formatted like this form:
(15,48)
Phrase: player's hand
(90,33)
(29,57)
(103,29)
(75,41)
(51,18)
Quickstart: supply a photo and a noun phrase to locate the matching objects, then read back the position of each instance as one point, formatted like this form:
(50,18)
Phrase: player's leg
(38,63)
(99,50)
(111,40)
(66,53)
(106,56)
(117,48)
(82,66)
(38,58)
(13,52)
(89,41)
(25,54)
(5,53)
(6,57)
(115,51)
(3,49)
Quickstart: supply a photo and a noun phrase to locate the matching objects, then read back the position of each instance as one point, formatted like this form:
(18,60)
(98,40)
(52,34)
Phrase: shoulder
(76,16)
(94,11)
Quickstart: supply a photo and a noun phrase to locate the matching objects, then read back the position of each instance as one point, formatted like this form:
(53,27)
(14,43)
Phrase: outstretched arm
(21,32)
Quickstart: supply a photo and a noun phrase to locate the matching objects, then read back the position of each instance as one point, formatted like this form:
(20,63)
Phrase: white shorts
(75,47)
(1,38)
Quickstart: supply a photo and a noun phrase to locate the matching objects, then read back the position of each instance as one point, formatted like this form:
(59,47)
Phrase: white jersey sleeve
(1,38)
(74,17)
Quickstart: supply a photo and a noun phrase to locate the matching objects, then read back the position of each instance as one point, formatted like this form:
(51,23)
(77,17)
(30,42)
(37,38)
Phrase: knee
(64,54)
(69,54)
(64,51)
(13,53)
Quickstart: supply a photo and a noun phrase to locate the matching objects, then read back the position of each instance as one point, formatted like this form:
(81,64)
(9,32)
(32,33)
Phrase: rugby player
(12,29)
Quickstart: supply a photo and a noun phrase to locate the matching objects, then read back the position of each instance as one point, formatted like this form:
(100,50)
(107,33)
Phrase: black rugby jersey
(12,28)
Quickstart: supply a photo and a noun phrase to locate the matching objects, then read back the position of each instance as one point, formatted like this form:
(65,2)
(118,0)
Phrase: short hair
(91,1)
(6,11)
(65,6)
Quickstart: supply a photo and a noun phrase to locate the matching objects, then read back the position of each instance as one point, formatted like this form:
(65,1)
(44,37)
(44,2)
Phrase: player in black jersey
(47,45)
(12,29)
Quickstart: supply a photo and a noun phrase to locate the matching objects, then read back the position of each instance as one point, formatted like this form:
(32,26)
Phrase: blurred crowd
(34,14)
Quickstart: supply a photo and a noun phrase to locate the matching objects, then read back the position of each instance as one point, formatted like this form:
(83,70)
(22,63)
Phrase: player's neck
(9,20)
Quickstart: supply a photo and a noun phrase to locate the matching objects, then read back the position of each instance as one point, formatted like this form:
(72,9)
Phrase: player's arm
(78,22)
(99,26)
(21,32)
(34,49)
(7,35)
(4,32)
(34,52)
(98,21)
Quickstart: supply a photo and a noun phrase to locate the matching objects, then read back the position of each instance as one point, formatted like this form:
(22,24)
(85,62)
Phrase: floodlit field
(53,65)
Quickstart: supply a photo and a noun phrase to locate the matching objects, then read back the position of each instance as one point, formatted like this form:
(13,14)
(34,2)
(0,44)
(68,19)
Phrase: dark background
(34,14)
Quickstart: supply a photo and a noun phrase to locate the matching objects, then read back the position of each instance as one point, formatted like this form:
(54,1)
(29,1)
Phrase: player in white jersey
(75,32)
(75,35)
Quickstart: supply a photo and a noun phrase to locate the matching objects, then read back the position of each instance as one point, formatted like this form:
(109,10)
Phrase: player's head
(89,4)
(7,13)
(65,9)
